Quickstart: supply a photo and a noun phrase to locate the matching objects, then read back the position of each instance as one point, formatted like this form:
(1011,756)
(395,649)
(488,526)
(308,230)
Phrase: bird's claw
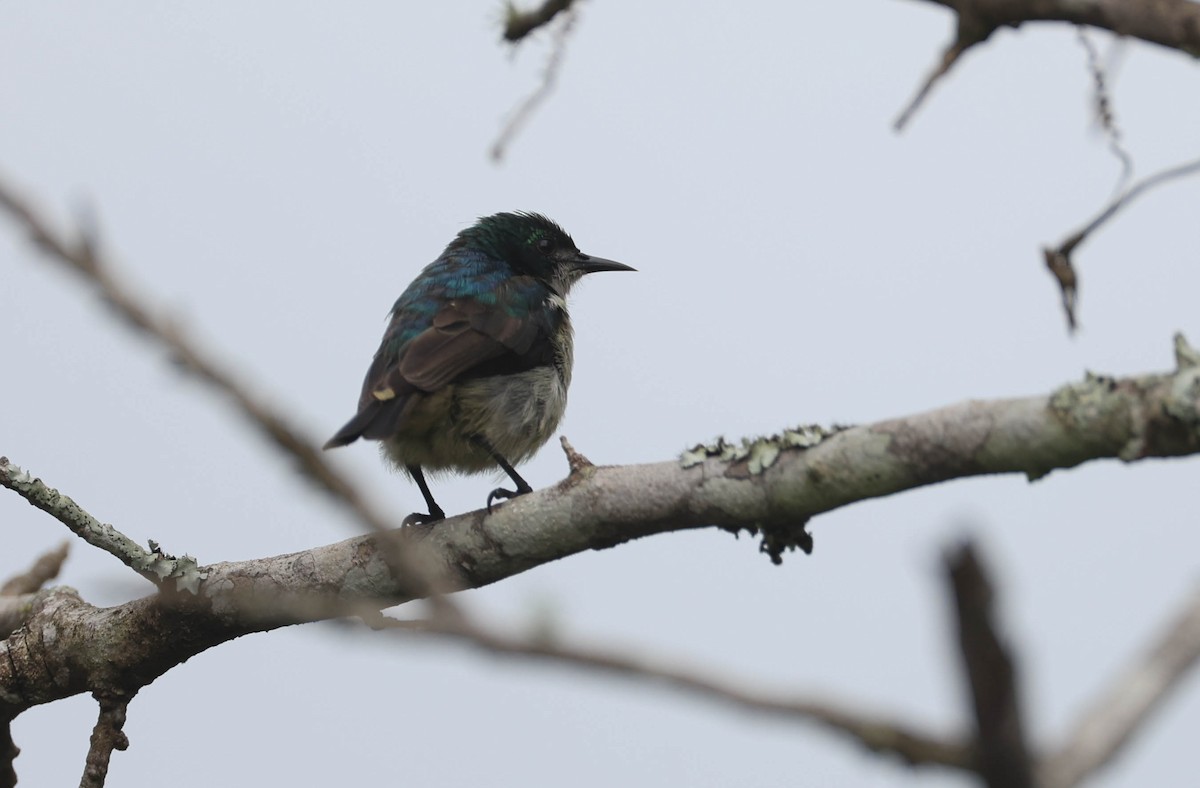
(419,518)
(501,493)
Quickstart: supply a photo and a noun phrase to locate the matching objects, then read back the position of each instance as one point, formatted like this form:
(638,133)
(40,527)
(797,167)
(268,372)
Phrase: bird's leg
(522,485)
(435,511)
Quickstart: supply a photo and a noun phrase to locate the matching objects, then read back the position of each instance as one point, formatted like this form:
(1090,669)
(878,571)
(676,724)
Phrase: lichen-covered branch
(153,565)
(769,484)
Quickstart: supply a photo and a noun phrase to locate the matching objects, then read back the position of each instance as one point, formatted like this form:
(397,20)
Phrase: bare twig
(1105,115)
(83,257)
(1003,757)
(1102,733)
(575,460)
(876,734)
(969,31)
(106,737)
(1058,259)
(518,24)
(549,78)
(44,569)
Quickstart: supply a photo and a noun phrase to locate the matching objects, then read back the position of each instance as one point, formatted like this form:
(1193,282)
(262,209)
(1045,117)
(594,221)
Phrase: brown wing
(464,335)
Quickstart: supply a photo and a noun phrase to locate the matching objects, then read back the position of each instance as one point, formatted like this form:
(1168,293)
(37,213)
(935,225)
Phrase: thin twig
(106,737)
(874,733)
(44,569)
(1106,117)
(968,32)
(1104,731)
(1058,259)
(1003,760)
(534,100)
(518,24)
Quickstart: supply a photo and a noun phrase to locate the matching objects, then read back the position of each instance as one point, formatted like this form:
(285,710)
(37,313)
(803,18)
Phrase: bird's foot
(419,518)
(501,493)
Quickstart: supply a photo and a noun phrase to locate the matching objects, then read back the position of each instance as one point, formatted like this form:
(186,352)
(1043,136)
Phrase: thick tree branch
(1170,23)
(769,484)
(15,611)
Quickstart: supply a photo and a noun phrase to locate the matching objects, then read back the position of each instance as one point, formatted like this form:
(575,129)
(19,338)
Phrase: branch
(8,753)
(518,24)
(769,485)
(106,737)
(1110,724)
(873,733)
(1003,757)
(45,569)
(15,611)
(154,565)
(83,257)
(1058,259)
(1170,23)
(549,79)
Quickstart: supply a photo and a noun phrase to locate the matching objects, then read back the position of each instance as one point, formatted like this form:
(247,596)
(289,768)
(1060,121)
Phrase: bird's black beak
(586,264)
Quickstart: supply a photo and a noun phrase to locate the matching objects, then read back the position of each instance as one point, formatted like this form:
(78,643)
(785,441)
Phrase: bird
(473,370)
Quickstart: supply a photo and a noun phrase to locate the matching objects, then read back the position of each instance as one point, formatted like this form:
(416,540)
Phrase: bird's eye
(544,245)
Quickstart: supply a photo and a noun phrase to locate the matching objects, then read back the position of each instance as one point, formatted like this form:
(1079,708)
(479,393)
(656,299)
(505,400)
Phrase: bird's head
(533,245)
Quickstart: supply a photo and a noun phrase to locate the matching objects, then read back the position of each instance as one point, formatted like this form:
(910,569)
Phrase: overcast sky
(276,173)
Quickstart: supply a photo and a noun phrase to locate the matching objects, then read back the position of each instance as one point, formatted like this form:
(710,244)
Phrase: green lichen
(759,453)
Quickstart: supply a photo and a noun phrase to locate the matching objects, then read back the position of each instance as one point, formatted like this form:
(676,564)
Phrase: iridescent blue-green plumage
(473,369)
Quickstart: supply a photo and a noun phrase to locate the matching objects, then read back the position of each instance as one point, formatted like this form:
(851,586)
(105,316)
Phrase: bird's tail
(353,429)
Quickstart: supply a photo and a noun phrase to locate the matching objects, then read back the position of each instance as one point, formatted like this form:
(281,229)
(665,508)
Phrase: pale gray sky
(275,173)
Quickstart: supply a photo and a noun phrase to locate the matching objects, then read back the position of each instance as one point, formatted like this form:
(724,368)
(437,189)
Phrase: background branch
(1003,757)
(875,734)
(43,570)
(1105,729)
